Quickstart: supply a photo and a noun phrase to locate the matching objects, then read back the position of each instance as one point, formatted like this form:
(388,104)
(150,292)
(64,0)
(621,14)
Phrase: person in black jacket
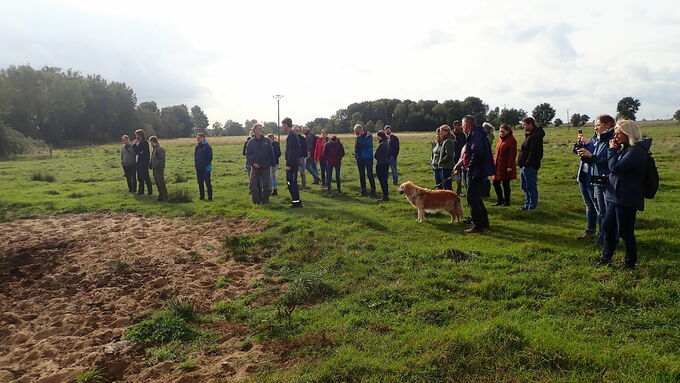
(203,162)
(141,147)
(382,163)
(260,154)
(292,161)
(303,156)
(529,161)
(276,147)
(394,153)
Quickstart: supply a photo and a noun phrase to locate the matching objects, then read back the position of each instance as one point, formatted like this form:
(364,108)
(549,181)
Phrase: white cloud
(231,57)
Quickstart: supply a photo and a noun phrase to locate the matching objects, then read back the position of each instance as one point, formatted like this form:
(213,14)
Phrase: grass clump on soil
(163,326)
(236,310)
(179,195)
(179,178)
(91,375)
(223,282)
(42,176)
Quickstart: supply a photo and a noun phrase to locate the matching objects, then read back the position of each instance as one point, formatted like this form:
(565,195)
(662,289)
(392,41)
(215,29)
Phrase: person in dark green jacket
(447,158)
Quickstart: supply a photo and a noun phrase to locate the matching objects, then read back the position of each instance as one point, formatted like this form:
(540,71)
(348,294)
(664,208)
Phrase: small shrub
(91,375)
(238,244)
(180,178)
(119,266)
(179,195)
(163,326)
(223,282)
(42,176)
(456,255)
(305,290)
(183,308)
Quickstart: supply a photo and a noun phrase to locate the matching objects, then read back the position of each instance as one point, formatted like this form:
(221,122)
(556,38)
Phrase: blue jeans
(393,168)
(529,182)
(272,178)
(291,180)
(203,178)
(588,193)
(447,179)
(366,170)
(322,172)
(329,178)
(310,164)
(619,221)
(437,178)
(601,208)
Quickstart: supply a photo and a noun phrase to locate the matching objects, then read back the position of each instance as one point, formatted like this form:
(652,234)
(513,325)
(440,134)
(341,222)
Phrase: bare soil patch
(71,284)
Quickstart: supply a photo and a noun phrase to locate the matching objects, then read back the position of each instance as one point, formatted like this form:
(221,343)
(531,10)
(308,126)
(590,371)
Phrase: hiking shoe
(586,234)
(473,230)
(603,262)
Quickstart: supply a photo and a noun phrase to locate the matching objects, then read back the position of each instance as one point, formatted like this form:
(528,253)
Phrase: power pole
(278,98)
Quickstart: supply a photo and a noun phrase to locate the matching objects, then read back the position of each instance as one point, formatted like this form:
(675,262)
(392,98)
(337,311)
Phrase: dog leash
(437,185)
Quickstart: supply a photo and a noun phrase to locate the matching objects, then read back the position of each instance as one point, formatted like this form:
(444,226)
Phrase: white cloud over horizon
(231,57)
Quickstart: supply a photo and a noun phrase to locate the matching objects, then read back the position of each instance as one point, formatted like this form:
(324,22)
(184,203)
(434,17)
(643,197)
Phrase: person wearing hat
(382,163)
(394,153)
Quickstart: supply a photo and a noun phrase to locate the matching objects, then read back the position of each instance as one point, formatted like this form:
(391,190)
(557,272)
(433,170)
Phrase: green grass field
(373,296)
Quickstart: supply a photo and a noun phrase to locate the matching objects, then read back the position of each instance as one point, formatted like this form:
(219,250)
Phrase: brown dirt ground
(61,300)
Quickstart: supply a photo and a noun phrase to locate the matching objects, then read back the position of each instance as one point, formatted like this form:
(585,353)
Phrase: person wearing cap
(382,163)
(393,140)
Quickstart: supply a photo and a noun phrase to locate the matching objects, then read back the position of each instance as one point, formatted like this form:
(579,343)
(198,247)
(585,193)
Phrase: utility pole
(278,98)
(568,119)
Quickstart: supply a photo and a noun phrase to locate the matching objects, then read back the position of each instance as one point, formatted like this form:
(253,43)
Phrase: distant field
(375,297)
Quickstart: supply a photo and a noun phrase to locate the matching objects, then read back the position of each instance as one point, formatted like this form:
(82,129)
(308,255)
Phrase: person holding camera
(583,177)
(627,158)
(596,158)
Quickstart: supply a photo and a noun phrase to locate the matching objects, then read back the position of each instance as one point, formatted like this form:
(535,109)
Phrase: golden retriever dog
(431,201)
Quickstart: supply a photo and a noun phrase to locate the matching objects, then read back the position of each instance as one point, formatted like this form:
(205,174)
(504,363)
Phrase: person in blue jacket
(599,167)
(627,158)
(587,190)
(479,162)
(203,162)
(363,153)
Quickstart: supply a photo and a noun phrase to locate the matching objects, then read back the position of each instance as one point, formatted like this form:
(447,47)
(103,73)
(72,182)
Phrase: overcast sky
(230,58)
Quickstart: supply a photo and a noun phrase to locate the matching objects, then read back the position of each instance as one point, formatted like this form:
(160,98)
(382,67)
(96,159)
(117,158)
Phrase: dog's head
(403,188)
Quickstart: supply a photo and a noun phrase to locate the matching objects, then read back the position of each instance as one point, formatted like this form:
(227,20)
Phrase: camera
(599,180)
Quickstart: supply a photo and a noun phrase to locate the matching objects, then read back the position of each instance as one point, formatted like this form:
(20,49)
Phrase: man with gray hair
(363,153)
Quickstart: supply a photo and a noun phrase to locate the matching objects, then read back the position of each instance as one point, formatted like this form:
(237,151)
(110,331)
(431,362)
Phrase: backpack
(650,182)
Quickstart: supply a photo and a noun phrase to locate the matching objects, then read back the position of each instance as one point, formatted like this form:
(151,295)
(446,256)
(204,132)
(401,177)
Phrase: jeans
(310,164)
(393,168)
(588,193)
(458,179)
(478,213)
(529,182)
(203,177)
(447,179)
(438,181)
(381,170)
(159,178)
(619,221)
(301,169)
(464,175)
(259,184)
(329,178)
(291,180)
(131,177)
(601,207)
(272,178)
(322,166)
(503,194)
(366,170)
(143,178)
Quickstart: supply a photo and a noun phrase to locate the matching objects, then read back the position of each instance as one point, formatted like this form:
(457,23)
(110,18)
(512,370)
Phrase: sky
(231,57)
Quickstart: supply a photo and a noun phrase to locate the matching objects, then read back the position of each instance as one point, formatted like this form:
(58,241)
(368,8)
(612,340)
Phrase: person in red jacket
(506,165)
(333,151)
(317,155)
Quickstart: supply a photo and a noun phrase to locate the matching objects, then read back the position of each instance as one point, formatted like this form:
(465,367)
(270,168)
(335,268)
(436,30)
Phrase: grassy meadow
(357,291)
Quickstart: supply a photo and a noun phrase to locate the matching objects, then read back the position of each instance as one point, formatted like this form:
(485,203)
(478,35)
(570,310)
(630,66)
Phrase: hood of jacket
(538,132)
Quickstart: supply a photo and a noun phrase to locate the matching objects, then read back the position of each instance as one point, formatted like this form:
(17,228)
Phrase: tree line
(65,107)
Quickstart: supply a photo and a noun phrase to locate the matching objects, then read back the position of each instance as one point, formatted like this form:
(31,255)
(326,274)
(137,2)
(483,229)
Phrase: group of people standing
(465,154)
(137,159)
(611,176)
